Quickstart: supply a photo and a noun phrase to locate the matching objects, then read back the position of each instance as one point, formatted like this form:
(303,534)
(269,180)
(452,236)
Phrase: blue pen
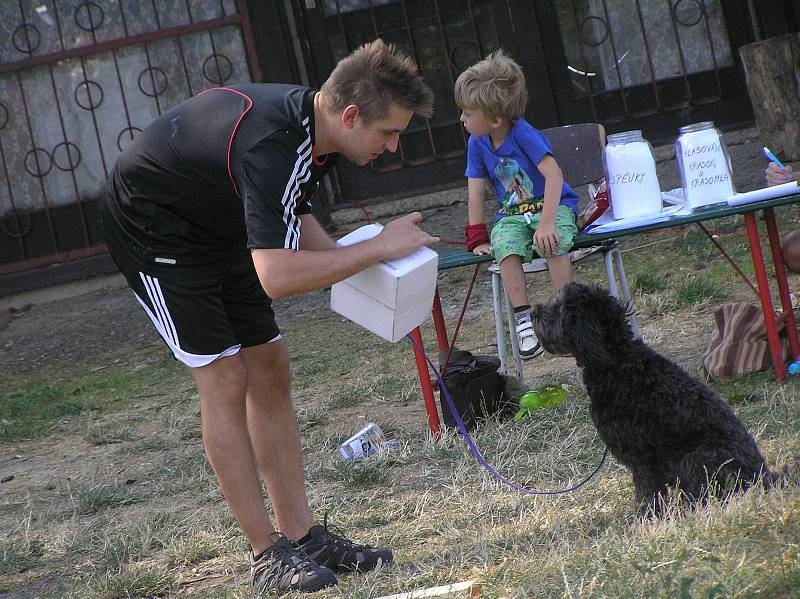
(772,156)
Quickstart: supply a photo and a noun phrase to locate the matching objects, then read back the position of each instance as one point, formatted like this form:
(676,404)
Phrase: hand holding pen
(777,173)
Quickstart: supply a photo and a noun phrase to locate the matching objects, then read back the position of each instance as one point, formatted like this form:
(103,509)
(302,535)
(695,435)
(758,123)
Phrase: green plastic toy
(548,396)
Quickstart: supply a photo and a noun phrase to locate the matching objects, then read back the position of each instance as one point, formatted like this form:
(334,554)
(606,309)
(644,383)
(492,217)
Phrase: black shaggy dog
(669,429)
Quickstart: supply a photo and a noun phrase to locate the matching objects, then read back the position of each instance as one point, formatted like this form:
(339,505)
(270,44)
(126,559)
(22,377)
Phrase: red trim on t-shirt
(235,128)
(314,157)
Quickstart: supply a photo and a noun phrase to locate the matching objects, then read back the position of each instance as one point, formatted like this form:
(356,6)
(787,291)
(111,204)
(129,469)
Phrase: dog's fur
(670,430)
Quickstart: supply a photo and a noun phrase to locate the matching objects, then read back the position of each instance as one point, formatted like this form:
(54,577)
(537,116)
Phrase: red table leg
(425,383)
(438,323)
(765,296)
(783,283)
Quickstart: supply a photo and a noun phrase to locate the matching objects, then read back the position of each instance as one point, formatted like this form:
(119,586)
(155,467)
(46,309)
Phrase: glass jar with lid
(631,175)
(704,165)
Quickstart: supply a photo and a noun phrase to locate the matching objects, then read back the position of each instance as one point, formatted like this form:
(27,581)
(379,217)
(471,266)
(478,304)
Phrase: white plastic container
(704,165)
(631,175)
(391,298)
(365,442)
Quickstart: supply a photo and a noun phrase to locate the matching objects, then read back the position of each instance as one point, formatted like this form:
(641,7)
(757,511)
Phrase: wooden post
(772,73)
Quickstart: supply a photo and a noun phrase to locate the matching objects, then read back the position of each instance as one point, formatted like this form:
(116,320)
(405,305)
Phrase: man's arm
(313,236)
(284,272)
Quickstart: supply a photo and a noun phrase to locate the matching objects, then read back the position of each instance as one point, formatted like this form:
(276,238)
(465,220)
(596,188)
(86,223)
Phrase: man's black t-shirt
(229,169)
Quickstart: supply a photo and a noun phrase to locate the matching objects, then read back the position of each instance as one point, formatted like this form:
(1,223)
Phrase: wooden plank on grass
(467,588)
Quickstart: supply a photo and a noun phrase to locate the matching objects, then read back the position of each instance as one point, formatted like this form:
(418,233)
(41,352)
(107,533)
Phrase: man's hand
(482,249)
(546,240)
(777,175)
(285,272)
(402,236)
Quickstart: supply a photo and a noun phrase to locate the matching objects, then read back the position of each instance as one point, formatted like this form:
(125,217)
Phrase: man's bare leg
(222,386)
(275,437)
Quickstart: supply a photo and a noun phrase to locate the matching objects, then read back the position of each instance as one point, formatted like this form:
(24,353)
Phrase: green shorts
(512,235)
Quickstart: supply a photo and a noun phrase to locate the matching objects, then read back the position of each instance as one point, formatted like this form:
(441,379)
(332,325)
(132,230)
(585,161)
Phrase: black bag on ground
(476,388)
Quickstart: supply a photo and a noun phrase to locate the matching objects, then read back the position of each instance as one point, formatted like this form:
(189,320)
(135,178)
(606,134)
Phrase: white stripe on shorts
(166,328)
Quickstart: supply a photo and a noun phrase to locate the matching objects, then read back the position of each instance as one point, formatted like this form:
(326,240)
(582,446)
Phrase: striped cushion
(739,345)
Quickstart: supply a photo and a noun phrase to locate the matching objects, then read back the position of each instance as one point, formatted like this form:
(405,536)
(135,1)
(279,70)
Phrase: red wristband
(475,235)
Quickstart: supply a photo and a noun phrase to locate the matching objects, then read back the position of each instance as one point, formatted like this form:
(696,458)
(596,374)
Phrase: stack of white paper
(392,297)
(605,223)
(768,193)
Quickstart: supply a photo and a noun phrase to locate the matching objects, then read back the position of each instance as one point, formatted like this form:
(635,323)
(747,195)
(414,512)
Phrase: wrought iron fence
(609,61)
(78,80)
(616,45)
(444,37)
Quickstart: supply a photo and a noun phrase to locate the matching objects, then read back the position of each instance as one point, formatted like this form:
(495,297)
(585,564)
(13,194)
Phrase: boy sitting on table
(535,205)
(790,243)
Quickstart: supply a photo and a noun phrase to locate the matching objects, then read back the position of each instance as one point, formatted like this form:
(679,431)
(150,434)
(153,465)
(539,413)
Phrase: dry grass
(115,499)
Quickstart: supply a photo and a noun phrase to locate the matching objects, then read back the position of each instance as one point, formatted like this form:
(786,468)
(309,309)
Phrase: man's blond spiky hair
(373,77)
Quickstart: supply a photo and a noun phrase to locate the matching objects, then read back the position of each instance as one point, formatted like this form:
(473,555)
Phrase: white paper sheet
(673,196)
(605,224)
(361,234)
(768,193)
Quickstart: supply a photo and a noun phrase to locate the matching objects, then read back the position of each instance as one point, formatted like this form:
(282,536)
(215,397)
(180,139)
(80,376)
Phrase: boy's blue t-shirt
(518,184)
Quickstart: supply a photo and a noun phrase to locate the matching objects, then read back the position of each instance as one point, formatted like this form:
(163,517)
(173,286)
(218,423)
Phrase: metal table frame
(460,257)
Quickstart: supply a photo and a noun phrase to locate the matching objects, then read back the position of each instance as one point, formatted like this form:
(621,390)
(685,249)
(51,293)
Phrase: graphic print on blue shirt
(514,164)
(519,197)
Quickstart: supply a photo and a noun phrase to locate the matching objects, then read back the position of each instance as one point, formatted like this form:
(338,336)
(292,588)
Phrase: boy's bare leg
(514,280)
(275,437)
(222,386)
(560,270)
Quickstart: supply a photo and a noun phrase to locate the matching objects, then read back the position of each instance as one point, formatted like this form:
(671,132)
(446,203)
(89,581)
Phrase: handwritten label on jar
(632,181)
(705,174)
(628,178)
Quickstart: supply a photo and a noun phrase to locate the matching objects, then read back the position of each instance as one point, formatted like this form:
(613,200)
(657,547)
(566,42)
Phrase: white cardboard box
(392,297)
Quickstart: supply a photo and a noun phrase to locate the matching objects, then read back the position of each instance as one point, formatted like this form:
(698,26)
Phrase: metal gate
(78,80)
(629,64)
(444,37)
(647,64)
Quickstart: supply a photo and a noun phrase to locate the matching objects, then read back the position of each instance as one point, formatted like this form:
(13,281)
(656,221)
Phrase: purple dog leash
(476,452)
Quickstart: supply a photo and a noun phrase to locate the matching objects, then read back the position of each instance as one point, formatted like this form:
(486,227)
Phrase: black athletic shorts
(206,318)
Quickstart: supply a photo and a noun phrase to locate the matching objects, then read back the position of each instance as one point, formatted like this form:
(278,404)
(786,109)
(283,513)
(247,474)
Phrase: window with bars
(78,80)
(613,44)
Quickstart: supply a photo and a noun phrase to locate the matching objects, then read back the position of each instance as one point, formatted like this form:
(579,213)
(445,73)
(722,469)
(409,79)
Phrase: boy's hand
(482,249)
(546,240)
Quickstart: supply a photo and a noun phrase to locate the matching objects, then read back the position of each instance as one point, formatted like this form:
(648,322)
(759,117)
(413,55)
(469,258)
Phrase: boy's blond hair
(495,86)
(373,77)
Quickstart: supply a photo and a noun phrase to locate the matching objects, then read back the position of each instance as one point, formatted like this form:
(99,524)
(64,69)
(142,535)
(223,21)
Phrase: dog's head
(584,321)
